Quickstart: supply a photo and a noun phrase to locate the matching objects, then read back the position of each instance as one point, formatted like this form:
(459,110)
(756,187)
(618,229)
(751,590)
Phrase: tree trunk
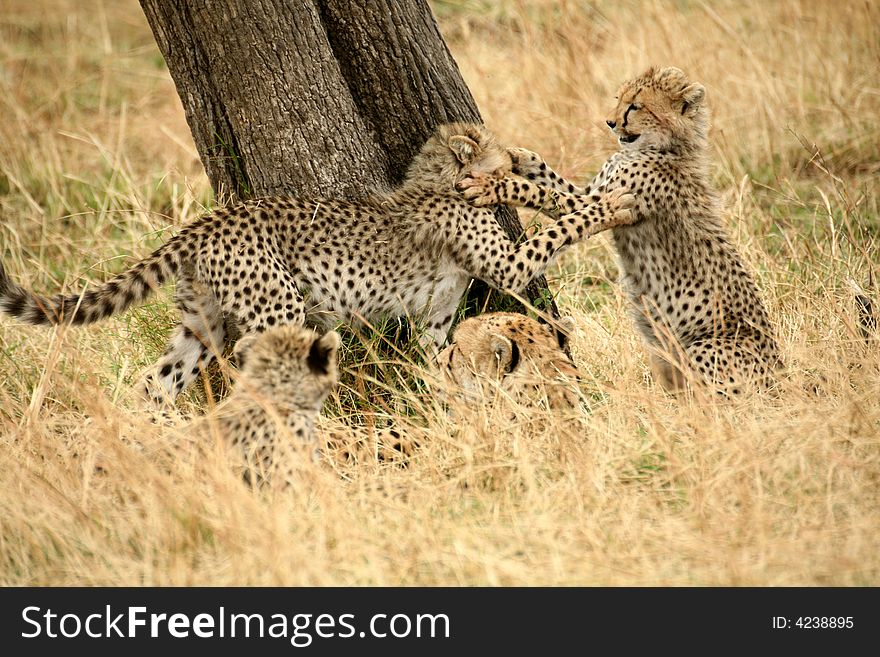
(314,97)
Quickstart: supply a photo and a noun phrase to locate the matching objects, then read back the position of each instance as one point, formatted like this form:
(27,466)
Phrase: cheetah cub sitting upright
(693,300)
(410,252)
(268,421)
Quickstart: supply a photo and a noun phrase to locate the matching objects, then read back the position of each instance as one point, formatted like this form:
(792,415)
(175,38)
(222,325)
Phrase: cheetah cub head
(455,151)
(292,366)
(511,353)
(660,109)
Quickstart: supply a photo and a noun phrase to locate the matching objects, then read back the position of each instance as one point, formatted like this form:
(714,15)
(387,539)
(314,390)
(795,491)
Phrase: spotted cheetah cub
(513,354)
(693,300)
(407,253)
(268,421)
(491,356)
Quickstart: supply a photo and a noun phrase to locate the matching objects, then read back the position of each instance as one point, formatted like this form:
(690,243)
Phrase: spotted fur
(410,252)
(511,353)
(693,300)
(343,445)
(490,354)
(268,420)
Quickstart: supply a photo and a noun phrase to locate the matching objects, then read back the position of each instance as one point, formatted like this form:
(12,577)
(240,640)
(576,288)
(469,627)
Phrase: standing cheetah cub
(410,252)
(693,300)
(268,421)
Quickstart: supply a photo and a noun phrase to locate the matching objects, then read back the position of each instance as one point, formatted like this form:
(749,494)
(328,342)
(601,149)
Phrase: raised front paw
(526,163)
(620,204)
(604,211)
(479,189)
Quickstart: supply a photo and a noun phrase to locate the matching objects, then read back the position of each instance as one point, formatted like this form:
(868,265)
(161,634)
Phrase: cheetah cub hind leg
(196,341)
(729,367)
(343,445)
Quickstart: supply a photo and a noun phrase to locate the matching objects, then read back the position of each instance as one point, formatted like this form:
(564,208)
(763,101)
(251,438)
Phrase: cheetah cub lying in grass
(693,300)
(491,356)
(268,421)
(510,353)
(410,252)
(271,420)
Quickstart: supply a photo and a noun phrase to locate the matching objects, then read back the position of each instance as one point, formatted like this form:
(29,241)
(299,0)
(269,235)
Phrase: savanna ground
(96,164)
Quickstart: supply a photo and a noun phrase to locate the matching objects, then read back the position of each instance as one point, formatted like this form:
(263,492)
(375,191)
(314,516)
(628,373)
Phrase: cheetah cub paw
(619,205)
(479,189)
(526,163)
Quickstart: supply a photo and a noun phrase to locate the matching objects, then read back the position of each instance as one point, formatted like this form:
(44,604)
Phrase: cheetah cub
(491,357)
(268,421)
(407,253)
(513,354)
(693,300)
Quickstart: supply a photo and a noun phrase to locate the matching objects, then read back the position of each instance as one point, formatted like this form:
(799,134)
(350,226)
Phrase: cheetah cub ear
(243,347)
(562,329)
(322,354)
(506,352)
(692,96)
(464,147)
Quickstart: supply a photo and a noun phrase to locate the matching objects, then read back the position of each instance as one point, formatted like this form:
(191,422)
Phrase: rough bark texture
(313,97)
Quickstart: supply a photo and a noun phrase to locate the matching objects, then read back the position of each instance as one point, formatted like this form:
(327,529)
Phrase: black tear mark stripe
(514,356)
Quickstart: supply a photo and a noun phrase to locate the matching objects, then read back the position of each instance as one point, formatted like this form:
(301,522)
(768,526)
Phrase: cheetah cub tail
(114,296)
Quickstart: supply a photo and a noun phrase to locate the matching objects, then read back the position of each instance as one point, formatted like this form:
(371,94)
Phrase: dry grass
(643,489)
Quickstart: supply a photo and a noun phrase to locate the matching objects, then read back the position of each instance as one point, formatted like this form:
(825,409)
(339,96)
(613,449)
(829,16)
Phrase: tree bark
(315,98)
